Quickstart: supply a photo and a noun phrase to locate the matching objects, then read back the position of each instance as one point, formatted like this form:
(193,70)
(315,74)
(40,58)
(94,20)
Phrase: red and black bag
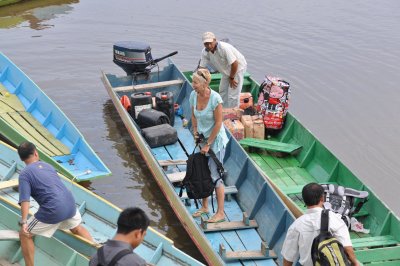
(273,101)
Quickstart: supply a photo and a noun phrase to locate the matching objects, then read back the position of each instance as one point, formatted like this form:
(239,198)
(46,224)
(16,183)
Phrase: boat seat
(264,253)
(8,184)
(6,235)
(382,256)
(226,226)
(176,177)
(171,162)
(374,241)
(147,86)
(270,145)
(229,190)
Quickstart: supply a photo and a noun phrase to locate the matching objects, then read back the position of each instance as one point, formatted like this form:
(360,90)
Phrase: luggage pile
(241,122)
(154,115)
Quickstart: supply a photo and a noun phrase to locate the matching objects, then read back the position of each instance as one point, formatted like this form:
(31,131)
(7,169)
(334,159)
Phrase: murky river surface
(341,58)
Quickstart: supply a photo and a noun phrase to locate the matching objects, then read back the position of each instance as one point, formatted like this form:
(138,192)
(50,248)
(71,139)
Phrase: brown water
(341,58)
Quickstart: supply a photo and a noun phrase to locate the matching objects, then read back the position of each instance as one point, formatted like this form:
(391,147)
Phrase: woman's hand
(205,149)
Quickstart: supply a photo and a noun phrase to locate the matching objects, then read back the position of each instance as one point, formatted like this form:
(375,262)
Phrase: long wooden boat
(99,217)
(253,238)
(26,113)
(313,162)
(48,251)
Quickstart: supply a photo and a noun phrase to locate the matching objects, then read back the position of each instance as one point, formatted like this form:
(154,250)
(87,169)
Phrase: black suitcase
(151,117)
(160,135)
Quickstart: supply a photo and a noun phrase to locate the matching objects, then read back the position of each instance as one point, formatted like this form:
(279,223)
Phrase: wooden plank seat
(374,241)
(6,235)
(171,162)
(381,256)
(229,190)
(8,184)
(154,85)
(264,253)
(226,226)
(270,145)
(176,177)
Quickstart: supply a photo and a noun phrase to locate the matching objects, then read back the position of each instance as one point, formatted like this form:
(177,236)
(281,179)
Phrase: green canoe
(296,157)
(48,251)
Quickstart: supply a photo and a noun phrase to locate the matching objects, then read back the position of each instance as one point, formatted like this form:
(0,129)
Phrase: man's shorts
(36,227)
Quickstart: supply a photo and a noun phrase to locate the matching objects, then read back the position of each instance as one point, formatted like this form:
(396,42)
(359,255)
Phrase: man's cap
(208,37)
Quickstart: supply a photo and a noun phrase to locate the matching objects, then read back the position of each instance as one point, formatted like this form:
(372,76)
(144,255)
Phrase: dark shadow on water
(133,185)
(36,13)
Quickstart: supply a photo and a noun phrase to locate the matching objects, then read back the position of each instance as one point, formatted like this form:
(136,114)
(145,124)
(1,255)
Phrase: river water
(341,58)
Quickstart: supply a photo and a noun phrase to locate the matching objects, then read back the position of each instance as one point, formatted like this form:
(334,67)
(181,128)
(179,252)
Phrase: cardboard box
(258,129)
(232,113)
(247,122)
(235,127)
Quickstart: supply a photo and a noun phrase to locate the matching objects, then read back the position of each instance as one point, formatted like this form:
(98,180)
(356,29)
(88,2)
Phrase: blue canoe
(245,239)
(99,217)
(26,113)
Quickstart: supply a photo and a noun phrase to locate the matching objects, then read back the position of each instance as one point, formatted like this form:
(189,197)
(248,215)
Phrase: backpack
(326,249)
(273,101)
(341,200)
(102,261)
(198,181)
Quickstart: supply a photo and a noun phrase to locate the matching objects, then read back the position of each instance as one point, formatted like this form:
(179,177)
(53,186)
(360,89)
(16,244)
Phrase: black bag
(151,117)
(198,181)
(160,135)
(326,250)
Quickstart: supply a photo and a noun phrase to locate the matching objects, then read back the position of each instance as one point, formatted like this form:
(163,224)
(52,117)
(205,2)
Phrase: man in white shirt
(230,63)
(302,232)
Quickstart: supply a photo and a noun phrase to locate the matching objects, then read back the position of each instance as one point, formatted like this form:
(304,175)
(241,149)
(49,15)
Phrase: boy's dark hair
(132,219)
(26,149)
(312,193)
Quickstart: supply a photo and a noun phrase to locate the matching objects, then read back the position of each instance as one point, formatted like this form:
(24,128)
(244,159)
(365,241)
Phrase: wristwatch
(208,144)
(22,222)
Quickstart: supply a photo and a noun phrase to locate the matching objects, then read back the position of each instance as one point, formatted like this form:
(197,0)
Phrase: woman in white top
(206,107)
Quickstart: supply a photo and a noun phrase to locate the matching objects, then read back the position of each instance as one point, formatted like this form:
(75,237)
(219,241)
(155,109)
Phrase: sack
(198,181)
(151,117)
(341,200)
(273,101)
(326,249)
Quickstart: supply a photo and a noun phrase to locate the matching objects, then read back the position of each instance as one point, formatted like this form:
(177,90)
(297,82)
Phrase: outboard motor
(135,57)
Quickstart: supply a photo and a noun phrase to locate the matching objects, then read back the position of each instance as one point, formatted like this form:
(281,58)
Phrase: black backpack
(102,261)
(198,181)
(326,250)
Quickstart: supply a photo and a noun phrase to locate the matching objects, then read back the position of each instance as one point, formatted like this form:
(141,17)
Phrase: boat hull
(315,163)
(27,113)
(255,195)
(98,216)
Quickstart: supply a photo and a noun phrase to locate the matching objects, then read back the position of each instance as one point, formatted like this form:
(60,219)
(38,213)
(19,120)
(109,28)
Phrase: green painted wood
(24,133)
(374,241)
(270,145)
(379,254)
(63,150)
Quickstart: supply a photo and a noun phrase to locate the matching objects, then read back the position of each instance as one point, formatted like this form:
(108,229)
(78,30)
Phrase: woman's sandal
(213,220)
(199,213)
